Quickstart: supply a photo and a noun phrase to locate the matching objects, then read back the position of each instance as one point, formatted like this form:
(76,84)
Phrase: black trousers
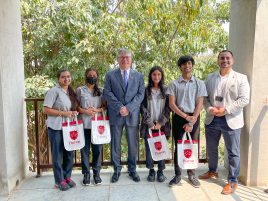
(177,131)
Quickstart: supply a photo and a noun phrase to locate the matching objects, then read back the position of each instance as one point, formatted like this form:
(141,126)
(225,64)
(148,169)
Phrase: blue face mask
(92,80)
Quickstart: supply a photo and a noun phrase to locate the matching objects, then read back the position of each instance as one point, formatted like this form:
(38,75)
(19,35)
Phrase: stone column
(249,42)
(13,134)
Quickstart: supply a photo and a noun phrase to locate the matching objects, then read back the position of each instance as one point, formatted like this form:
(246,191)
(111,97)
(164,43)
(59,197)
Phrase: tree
(76,34)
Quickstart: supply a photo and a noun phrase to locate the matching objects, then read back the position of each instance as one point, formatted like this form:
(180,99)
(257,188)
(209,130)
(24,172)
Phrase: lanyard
(220,83)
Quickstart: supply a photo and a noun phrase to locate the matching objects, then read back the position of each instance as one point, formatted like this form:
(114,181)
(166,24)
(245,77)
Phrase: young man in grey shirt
(186,97)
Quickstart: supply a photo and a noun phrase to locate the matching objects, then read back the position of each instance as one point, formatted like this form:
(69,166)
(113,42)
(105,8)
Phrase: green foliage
(37,85)
(76,34)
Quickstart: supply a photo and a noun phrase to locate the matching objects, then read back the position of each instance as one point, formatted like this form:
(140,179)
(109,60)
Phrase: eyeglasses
(124,57)
(65,77)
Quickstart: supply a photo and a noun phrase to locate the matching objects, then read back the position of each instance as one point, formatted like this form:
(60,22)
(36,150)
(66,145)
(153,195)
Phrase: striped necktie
(125,79)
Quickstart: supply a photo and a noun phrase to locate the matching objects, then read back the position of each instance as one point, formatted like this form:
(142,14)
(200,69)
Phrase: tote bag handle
(184,138)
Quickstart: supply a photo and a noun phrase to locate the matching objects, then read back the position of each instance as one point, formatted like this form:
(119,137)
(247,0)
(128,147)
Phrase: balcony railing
(39,146)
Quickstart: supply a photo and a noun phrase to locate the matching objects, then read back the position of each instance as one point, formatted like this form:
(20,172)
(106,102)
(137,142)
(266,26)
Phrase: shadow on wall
(255,133)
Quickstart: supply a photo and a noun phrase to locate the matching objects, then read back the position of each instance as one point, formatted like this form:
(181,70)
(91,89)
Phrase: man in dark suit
(124,92)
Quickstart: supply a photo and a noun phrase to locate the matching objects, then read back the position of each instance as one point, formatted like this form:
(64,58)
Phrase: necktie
(125,79)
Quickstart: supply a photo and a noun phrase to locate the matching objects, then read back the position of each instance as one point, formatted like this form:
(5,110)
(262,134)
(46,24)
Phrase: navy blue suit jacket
(116,96)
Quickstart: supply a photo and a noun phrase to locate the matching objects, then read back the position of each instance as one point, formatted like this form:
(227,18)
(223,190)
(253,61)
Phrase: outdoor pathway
(39,189)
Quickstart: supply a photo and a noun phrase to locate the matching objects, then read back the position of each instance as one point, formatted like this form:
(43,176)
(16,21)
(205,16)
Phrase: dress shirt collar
(181,79)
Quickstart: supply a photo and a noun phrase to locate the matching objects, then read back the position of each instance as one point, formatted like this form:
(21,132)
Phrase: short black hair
(225,51)
(184,59)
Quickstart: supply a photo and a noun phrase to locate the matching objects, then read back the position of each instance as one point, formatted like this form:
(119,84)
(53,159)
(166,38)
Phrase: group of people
(223,95)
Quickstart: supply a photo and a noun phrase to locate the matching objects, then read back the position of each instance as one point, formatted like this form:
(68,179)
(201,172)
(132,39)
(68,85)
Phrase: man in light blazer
(228,93)
(124,92)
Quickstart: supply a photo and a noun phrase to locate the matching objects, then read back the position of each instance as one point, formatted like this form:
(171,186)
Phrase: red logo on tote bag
(158,146)
(73,134)
(101,129)
(187,153)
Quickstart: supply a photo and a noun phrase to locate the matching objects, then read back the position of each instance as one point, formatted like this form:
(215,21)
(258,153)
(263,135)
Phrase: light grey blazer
(236,97)
(116,96)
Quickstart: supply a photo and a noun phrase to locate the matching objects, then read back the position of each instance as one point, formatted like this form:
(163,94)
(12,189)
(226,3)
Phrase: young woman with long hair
(155,115)
(60,101)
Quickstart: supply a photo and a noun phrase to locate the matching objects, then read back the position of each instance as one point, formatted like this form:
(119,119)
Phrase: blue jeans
(149,159)
(231,138)
(116,135)
(96,154)
(62,160)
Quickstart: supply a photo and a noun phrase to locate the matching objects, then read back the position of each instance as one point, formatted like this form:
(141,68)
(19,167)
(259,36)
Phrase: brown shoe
(266,190)
(234,186)
(229,188)
(209,175)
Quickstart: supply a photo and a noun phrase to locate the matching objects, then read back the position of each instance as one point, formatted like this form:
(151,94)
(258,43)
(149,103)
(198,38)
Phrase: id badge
(219,98)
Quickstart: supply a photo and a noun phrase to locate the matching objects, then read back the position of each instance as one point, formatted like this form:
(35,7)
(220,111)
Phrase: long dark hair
(96,89)
(71,92)
(151,83)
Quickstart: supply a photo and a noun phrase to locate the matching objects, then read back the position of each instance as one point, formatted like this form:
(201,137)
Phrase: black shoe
(135,177)
(115,177)
(160,176)
(151,176)
(194,181)
(86,179)
(175,181)
(97,179)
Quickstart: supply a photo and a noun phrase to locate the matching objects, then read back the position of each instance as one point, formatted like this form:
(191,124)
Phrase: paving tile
(94,193)
(124,179)
(184,192)
(39,189)
(246,193)
(134,192)
(259,192)
(3,198)
(43,182)
(35,195)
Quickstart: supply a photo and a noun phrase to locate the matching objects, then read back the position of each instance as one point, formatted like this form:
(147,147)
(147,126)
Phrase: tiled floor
(39,189)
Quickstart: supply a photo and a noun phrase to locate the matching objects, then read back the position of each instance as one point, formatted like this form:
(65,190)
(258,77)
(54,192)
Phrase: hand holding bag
(158,145)
(73,134)
(187,152)
(100,129)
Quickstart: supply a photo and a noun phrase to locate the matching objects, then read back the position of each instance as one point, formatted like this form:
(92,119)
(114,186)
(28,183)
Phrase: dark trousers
(116,136)
(231,138)
(177,131)
(62,160)
(96,154)
(149,159)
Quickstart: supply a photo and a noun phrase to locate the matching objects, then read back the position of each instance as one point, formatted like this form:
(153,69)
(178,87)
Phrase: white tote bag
(158,145)
(100,129)
(187,152)
(73,134)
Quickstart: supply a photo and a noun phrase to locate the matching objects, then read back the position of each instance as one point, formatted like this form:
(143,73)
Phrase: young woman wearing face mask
(91,103)
(60,102)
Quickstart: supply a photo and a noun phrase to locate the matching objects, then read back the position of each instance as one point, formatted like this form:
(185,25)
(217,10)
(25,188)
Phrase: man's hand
(217,111)
(191,119)
(124,111)
(187,128)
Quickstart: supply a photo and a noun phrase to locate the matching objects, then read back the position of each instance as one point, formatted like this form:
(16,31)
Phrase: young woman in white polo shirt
(60,101)
(91,103)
